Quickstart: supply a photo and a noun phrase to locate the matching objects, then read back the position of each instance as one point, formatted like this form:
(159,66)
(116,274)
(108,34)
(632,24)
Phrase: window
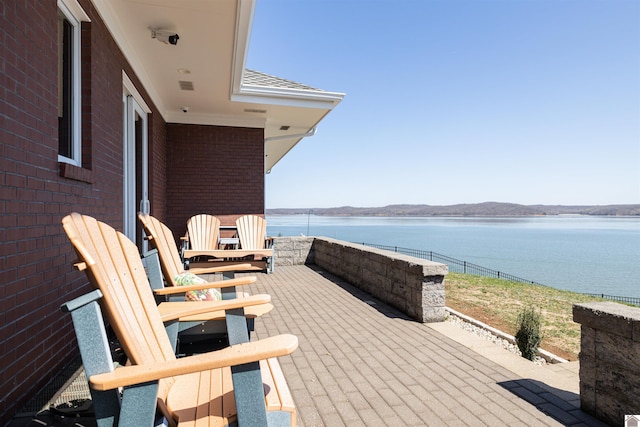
(69,142)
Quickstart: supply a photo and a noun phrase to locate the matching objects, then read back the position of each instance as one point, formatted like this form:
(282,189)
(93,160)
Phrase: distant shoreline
(488,209)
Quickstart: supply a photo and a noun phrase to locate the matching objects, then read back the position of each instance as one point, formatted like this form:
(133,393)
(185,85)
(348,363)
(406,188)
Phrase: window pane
(65,87)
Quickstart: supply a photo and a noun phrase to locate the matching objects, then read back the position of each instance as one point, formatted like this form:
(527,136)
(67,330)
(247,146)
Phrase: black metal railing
(459,266)
(626,300)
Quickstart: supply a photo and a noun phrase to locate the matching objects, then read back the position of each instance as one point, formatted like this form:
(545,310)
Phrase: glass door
(135,167)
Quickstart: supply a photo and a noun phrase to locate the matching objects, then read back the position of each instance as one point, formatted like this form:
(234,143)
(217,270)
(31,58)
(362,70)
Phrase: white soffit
(210,58)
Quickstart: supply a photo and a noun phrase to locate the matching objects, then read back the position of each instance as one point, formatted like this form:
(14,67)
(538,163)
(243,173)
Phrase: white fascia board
(288,97)
(244,24)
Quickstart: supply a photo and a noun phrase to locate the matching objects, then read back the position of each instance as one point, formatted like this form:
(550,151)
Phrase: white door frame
(134,108)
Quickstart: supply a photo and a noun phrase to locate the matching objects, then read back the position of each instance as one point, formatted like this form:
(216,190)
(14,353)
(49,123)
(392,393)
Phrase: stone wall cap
(611,317)
(430,268)
(612,308)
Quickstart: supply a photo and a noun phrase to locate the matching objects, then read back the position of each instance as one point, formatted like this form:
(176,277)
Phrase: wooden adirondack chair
(240,383)
(252,232)
(203,232)
(161,238)
(197,329)
(253,244)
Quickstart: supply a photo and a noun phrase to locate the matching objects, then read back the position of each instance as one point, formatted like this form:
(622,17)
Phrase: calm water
(576,253)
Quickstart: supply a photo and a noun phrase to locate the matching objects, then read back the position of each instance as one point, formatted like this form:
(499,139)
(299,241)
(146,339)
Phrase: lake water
(578,253)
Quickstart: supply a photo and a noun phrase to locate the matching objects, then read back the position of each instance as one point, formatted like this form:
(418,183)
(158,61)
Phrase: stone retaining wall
(412,285)
(609,360)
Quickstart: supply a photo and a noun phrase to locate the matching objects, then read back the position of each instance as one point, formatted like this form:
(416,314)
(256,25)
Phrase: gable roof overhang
(206,72)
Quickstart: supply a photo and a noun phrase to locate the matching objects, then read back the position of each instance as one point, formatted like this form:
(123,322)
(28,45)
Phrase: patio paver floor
(361,362)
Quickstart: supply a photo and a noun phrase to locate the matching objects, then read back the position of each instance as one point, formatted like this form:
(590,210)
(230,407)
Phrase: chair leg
(247,379)
(268,264)
(139,405)
(237,328)
(228,292)
(249,392)
(95,353)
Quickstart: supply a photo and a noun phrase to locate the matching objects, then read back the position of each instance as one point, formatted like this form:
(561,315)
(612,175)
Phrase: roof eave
(270,163)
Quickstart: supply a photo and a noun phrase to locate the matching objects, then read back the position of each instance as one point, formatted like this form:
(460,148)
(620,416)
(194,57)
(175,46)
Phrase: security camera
(166,37)
(185,109)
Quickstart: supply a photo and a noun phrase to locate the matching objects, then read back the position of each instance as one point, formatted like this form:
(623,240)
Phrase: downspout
(298,135)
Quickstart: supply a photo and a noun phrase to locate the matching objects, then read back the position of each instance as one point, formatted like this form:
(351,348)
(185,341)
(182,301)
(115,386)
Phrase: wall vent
(185,85)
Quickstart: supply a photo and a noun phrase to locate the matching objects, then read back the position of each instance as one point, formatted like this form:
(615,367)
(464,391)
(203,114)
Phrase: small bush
(529,332)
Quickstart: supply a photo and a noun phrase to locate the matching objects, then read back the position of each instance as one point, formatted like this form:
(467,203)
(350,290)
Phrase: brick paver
(361,362)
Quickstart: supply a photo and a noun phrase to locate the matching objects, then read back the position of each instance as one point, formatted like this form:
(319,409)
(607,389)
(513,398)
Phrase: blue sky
(454,101)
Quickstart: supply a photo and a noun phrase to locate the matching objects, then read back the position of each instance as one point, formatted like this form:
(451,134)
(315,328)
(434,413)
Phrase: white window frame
(74,13)
(133,104)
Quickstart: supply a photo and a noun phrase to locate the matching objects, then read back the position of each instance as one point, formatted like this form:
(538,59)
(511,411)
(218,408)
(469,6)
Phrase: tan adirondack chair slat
(227,253)
(161,238)
(181,310)
(276,398)
(170,311)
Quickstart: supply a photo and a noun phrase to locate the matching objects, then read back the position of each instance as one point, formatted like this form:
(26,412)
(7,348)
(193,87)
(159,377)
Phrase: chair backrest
(252,231)
(204,231)
(161,238)
(113,265)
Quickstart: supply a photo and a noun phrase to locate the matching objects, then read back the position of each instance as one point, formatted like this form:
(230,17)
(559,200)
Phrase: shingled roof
(257,78)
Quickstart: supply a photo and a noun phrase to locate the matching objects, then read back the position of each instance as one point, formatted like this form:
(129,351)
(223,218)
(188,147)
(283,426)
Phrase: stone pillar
(296,250)
(609,360)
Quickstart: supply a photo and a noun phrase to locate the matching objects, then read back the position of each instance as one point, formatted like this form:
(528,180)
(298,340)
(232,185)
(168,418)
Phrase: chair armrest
(176,310)
(239,281)
(280,345)
(251,312)
(228,253)
(220,269)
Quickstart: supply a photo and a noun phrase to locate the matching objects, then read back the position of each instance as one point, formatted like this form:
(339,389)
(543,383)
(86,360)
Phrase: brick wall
(213,169)
(192,169)
(36,274)
(158,166)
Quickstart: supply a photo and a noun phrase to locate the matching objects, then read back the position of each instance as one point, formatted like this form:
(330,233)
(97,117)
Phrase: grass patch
(498,303)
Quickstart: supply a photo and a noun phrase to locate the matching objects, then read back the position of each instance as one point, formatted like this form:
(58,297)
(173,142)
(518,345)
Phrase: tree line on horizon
(473,209)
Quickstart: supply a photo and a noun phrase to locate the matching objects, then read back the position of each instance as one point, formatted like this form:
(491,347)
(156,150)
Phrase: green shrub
(529,332)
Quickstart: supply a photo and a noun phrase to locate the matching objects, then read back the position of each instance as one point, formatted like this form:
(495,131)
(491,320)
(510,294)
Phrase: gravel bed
(487,335)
